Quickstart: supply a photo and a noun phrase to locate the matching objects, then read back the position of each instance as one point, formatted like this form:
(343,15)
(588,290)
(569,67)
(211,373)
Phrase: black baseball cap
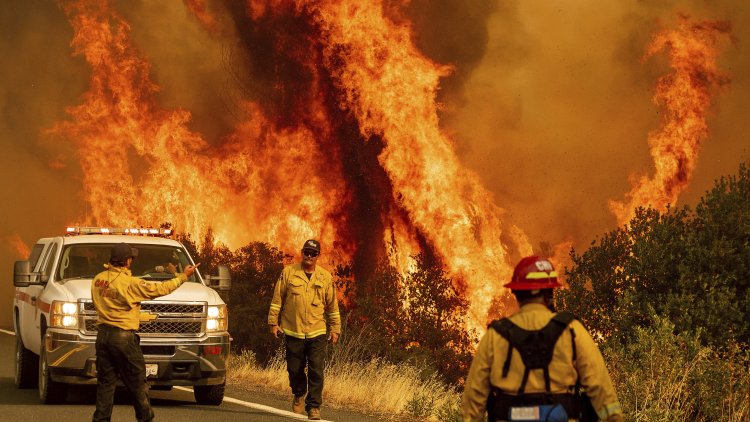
(312,245)
(123,251)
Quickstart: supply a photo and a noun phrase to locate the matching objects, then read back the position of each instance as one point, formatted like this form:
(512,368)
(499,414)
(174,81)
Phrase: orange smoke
(685,95)
(19,246)
(204,16)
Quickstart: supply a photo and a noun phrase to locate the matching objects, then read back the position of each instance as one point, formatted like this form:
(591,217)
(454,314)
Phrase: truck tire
(27,365)
(209,394)
(50,392)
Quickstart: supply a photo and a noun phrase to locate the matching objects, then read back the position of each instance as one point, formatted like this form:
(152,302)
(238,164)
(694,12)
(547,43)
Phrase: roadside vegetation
(375,386)
(667,296)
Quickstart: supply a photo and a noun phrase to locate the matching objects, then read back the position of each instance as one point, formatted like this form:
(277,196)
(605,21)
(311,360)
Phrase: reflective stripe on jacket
(117,295)
(300,306)
(487,367)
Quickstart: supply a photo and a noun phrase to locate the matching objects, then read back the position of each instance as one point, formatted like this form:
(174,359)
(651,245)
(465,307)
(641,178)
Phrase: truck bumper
(71,358)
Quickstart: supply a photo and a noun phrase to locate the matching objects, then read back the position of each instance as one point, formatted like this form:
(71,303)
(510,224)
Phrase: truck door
(22,293)
(30,314)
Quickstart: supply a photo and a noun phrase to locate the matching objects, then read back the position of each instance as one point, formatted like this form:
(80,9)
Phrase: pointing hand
(190,269)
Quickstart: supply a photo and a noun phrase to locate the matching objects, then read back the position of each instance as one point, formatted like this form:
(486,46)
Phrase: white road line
(261,407)
(257,406)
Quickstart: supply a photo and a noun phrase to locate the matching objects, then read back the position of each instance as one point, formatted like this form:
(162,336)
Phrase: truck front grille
(159,319)
(161,307)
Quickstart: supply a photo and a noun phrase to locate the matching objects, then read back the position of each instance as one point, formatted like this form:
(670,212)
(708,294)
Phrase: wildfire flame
(391,89)
(686,95)
(345,145)
(359,160)
(252,187)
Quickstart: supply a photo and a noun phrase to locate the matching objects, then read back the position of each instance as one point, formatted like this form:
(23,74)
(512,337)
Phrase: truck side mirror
(23,277)
(22,273)
(222,281)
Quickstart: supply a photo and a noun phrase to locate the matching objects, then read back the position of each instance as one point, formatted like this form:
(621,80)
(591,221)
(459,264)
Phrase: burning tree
(339,140)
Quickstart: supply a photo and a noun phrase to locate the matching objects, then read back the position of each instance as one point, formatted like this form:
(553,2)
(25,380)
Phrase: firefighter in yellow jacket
(303,297)
(117,297)
(532,365)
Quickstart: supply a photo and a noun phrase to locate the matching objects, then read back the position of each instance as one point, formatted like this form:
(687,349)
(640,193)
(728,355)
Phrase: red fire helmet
(534,273)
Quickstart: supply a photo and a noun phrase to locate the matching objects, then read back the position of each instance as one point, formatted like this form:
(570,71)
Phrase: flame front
(686,95)
(368,108)
(343,143)
(391,89)
(263,183)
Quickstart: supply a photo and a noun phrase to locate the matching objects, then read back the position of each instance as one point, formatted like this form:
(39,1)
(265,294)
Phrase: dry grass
(382,387)
(243,369)
(375,387)
(659,376)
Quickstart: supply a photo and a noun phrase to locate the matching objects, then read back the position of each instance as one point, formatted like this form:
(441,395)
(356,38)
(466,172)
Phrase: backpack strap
(517,338)
(564,317)
(552,332)
(577,389)
(503,327)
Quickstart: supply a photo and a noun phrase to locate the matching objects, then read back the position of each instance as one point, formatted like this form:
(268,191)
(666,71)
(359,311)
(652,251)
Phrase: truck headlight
(63,314)
(217,318)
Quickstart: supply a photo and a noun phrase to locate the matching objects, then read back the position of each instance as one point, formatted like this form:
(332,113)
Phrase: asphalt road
(175,405)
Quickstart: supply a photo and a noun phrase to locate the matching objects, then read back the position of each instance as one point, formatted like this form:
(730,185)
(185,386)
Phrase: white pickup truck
(183,335)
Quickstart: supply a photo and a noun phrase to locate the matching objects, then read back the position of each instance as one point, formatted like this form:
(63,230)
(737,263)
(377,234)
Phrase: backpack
(535,346)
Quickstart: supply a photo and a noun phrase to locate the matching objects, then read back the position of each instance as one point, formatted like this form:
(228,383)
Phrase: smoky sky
(557,113)
(549,102)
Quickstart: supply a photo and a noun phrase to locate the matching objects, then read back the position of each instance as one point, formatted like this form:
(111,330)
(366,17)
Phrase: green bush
(692,267)
(668,295)
(663,376)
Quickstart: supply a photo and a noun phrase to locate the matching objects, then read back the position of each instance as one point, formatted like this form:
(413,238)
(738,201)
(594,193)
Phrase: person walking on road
(534,364)
(303,297)
(117,297)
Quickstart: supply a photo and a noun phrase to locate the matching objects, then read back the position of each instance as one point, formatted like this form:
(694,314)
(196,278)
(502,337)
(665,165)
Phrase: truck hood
(188,292)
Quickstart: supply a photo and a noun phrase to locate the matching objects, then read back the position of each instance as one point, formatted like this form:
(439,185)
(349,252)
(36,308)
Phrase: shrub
(692,267)
(660,375)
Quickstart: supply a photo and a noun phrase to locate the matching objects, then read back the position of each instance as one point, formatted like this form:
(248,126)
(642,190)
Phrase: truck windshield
(154,262)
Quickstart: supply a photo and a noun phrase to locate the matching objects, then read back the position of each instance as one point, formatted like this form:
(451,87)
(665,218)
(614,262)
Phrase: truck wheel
(50,392)
(27,363)
(209,394)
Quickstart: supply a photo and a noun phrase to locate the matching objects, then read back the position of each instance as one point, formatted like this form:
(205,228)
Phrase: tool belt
(500,403)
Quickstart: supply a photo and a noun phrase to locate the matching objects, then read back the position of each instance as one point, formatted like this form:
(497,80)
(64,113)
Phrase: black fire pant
(309,352)
(118,352)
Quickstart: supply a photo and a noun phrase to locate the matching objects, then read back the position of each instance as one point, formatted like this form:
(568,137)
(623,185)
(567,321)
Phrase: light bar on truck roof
(149,231)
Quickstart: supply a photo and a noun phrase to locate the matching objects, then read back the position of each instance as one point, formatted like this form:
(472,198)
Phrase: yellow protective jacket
(487,366)
(117,295)
(299,306)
